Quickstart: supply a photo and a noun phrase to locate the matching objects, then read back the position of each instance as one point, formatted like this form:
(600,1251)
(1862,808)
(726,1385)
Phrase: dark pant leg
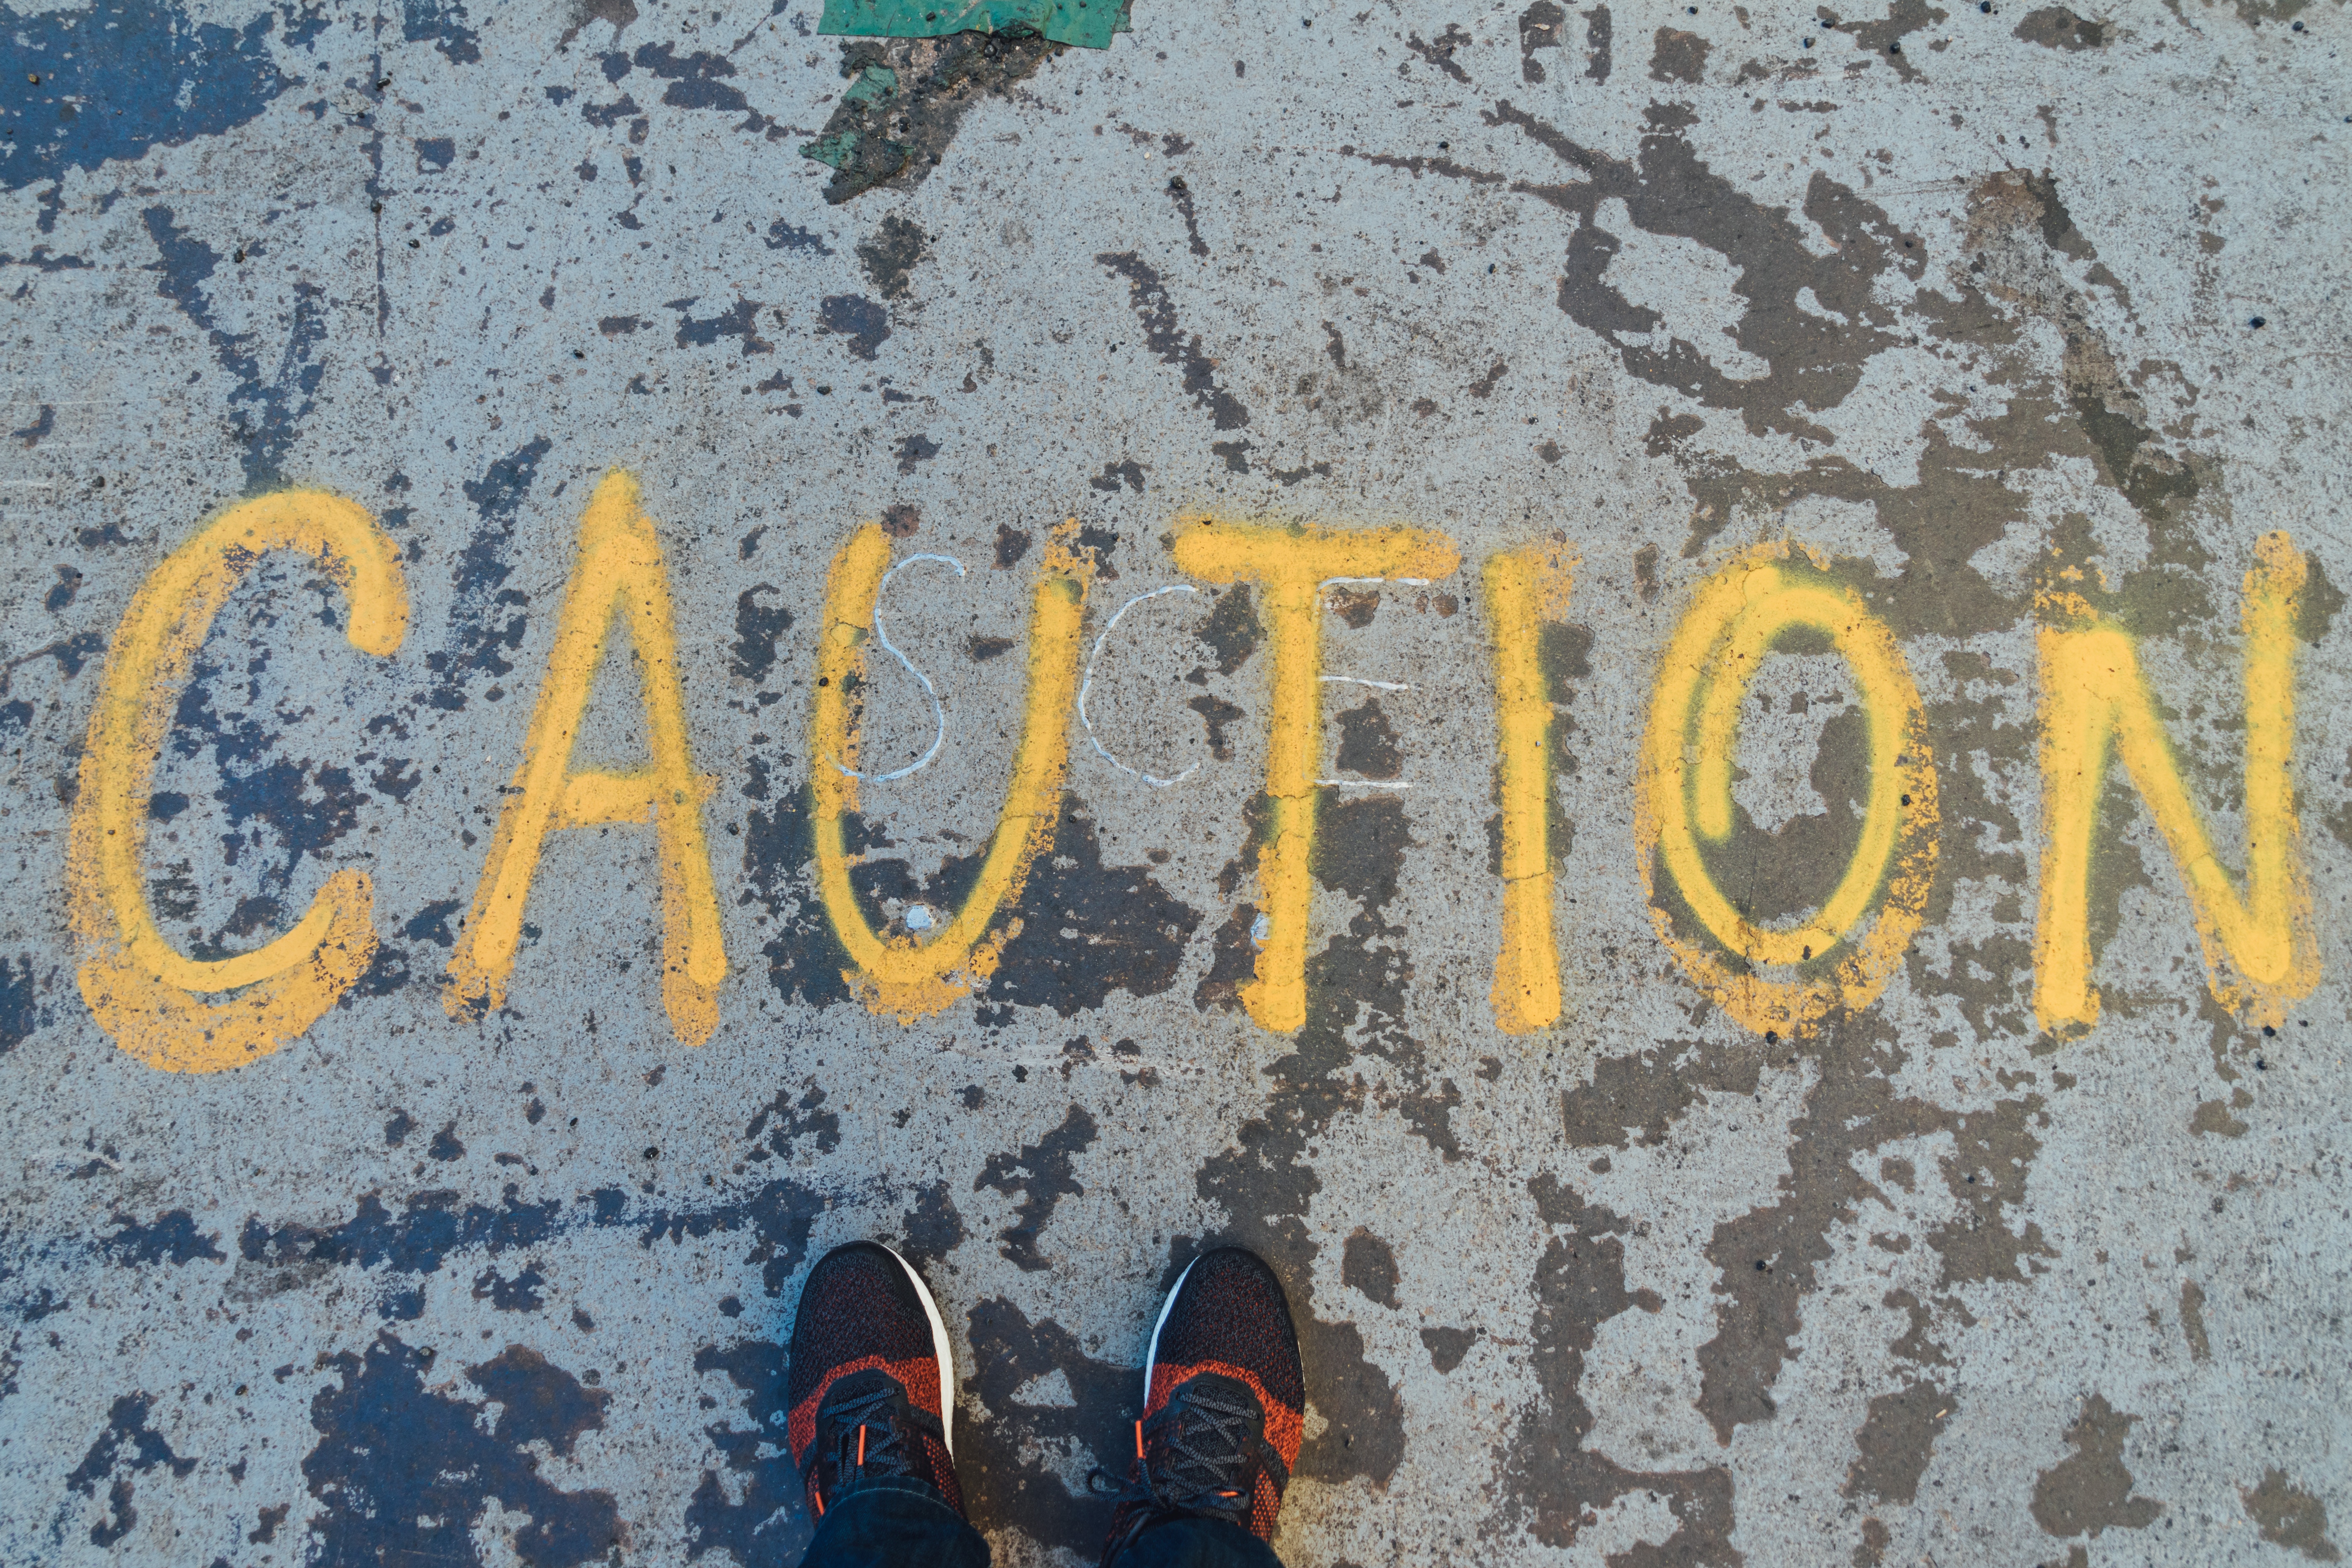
(1197,1544)
(894,1526)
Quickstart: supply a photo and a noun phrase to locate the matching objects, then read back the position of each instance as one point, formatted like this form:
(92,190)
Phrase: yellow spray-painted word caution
(185,1015)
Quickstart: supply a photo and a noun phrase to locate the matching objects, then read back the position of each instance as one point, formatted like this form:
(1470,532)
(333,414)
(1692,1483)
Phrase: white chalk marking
(1086,686)
(1360,680)
(938,710)
(1367,783)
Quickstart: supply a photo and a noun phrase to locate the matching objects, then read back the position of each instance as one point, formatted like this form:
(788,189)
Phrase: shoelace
(1198,1462)
(866,1438)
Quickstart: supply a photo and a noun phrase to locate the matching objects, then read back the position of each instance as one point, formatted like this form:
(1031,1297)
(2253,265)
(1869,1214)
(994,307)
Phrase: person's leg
(888,1525)
(1194,1543)
(1224,1403)
(870,1379)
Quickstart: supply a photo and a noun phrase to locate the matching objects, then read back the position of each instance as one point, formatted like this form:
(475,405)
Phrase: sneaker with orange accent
(1225,1401)
(870,1376)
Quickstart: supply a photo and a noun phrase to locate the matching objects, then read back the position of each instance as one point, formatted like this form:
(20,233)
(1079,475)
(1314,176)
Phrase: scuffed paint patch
(90,86)
(1086,23)
(905,100)
(405,1472)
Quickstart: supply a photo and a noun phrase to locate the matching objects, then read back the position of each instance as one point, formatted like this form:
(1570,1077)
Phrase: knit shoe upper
(1224,1404)
(870,1374)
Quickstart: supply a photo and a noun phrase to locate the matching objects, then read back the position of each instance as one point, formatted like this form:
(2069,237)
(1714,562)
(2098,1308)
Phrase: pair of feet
(872,1384)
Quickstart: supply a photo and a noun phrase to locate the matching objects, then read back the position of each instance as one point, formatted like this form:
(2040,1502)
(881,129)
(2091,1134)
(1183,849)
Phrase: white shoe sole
(940,1350)
(1151,1356)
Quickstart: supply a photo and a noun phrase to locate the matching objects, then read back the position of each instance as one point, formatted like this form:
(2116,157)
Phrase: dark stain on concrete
(1129,473)
(778,1214)
(442,23)
(1041,1174)
(171,1237)
(126,1448)
(1669,190)
(893,252)
(805,959)
(905,98)
(697,80)
(1550,1483)
(414,1242)
(267,409)
(1088,928)
(931,1227)
(2288,1515)
(2056,28)
(1008,1349)
(1217,714)
(1677,57)
(2192,1320)
(1634,1099)
(1182,195)
(770,1528)
(402,1472)
(740,322)
(1447,1347)
(1775,875)
(913,450)
(20,1003)
(1598,33)
(1542,25)
(1440,53)
(2090,1490)
(621,14)
(789,1118)
(1165,337)
(1368,1267)
(519,1294)
(95,86)
(487,619)
(863,321)
(1368,746)
(1884,38)
(1231,632)
(757,627)
(1896,1438)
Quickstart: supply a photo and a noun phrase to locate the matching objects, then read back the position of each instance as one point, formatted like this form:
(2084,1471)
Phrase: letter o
(1684,794)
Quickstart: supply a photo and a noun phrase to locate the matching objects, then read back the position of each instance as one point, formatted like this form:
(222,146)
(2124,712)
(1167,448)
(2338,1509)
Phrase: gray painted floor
(2013,337)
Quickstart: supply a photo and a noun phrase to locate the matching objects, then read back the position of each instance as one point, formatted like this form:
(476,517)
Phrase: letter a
(2260,952)
(619,570)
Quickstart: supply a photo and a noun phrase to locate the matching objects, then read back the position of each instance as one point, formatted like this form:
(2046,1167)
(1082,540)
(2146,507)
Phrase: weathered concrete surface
(1974,302)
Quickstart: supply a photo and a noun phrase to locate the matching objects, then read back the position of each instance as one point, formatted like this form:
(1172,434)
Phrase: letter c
(141,990)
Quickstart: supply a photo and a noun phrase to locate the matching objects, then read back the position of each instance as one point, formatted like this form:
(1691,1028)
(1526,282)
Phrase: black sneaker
(1225,1402)
(870,1376)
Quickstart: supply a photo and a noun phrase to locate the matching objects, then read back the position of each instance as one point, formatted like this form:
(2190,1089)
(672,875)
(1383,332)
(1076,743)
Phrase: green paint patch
(1089,24)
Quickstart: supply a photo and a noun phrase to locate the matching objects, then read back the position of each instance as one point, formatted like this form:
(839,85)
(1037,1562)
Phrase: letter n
(2260,951)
